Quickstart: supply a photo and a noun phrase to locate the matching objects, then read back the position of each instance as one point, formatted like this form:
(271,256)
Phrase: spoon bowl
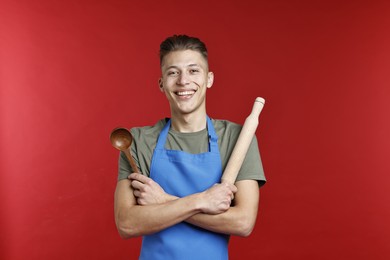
(121,139)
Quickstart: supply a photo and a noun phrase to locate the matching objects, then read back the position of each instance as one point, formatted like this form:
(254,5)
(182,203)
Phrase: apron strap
(213,138)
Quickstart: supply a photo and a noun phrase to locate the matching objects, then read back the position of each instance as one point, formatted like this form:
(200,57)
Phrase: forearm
(133,220)
(239,219)
(234,221)
(231,222)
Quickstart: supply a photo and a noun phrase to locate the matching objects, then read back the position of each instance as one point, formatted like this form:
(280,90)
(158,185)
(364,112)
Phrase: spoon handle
(131,160)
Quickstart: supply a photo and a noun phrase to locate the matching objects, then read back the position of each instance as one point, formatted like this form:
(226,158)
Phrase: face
(185,79)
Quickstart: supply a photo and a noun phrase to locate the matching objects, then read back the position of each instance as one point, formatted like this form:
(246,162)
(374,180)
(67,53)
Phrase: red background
(70,71)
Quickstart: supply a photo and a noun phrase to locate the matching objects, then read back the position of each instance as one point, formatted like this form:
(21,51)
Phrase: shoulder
(145,137)
(225,127)
(148,131)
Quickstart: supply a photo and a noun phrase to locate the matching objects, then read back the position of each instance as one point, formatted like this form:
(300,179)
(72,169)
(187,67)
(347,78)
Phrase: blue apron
(181,174)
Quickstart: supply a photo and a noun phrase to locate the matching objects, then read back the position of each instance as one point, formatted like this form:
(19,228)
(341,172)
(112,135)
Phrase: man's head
(182,43)
(185,75)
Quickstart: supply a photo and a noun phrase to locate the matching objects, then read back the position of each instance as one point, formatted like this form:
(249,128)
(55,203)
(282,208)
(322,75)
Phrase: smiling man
(185,79)
(177,203)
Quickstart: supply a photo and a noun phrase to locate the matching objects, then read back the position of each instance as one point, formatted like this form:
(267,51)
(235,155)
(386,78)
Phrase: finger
(139,177)
(232,187)
(137,185)
(137,193)
(133,175)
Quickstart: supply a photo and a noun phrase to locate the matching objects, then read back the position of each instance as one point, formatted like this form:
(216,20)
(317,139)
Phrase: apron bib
(181,174)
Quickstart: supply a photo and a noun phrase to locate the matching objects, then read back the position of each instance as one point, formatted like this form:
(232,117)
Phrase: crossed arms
(142,207)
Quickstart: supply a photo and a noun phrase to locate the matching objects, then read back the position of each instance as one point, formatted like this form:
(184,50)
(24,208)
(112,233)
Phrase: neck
(188,123)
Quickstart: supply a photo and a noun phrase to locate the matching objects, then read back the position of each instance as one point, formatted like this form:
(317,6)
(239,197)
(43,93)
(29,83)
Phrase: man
(177,203)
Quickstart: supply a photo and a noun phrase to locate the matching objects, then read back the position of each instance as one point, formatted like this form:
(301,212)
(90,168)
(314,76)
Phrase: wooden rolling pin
(242,145)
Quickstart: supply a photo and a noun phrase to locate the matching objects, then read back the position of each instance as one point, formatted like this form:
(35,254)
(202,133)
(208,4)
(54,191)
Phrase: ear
(210,79)
(160,84)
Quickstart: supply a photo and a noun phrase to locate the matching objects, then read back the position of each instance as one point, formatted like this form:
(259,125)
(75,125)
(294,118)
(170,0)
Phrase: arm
(135,220)
(237,220)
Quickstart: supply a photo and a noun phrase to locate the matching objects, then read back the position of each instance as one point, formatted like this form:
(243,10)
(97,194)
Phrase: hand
(147,191)
(218,198)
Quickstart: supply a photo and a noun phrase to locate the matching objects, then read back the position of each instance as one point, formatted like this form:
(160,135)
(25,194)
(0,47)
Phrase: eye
(172,73)
(194,71)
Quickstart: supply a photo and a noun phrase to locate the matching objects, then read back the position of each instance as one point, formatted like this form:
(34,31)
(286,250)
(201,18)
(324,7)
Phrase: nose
(183,79)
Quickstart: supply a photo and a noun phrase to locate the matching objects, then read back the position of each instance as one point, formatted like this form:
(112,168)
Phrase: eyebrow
(189,65)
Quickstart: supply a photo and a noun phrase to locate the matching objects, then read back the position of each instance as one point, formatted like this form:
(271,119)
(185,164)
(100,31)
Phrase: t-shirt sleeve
(252,167)
(124,168)
(144,139)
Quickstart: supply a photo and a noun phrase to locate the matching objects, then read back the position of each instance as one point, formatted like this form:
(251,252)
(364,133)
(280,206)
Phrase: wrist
(169,197)
(199,202)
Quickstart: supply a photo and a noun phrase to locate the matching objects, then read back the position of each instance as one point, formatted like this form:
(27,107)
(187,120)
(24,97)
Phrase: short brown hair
(182,43)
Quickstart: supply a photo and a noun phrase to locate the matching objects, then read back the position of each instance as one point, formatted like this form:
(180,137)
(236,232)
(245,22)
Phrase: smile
(185,93)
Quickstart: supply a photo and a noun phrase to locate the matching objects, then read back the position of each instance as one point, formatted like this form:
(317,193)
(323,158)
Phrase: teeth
(184,93)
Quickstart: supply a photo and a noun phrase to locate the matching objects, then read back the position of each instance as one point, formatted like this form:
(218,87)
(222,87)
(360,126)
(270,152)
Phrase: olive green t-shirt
(145,139)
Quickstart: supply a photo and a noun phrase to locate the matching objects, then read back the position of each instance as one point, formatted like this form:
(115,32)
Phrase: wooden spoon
(121,139)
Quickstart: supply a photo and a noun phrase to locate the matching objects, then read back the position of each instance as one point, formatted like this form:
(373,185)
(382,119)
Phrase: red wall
(70,71)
